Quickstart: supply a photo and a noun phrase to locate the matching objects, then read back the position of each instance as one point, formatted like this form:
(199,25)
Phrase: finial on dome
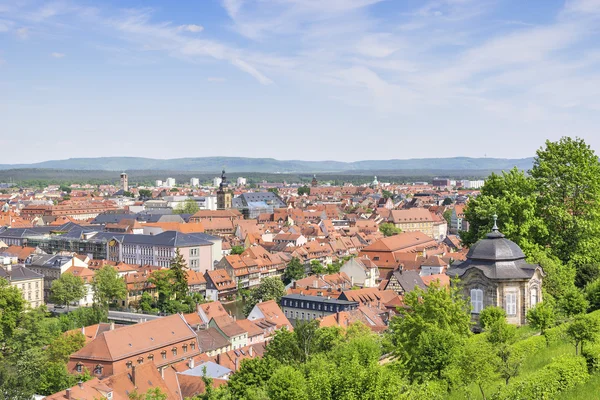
(495,228)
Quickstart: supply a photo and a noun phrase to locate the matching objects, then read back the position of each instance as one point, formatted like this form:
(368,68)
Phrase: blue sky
(296,79)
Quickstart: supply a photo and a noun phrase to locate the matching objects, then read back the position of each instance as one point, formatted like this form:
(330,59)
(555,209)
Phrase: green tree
(513,197)
(306,334)
(67,289)
(502,336)
(128,194)
(567,175)
(448,216)
(293,271)
(83,316)
(429,315)
(146,303)
(189,206)
(273,190)
(237,250)
(386,194)
(253,374)
(542,316)
(179,270)
(389,229)
(270,288)
(12,305)
(584,328)
(284,347)
(477,364)
(447,201)
(572,302)
(152,394)
(287,383)
(145,193)
(64,345)
(65,188)
(108,286)
(163,280)
(490,315)
(303,190)
(316,267)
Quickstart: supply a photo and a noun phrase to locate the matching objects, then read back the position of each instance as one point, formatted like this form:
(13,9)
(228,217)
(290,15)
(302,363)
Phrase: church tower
(314,182)
(223,194)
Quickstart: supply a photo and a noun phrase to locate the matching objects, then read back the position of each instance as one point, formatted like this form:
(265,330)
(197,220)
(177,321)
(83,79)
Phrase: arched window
(476,300)
(534,296)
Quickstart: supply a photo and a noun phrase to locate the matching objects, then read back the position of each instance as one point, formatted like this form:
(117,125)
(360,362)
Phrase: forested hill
(243,164)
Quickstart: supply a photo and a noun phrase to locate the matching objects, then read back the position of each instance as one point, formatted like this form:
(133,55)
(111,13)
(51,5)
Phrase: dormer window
(151,357)
(129,363)
(174,350)
(79,367)
(193,346)
(98,369)
(164,354)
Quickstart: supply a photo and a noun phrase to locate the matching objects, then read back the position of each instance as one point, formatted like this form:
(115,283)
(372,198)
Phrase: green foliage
(12,305)
(152,394)
(178,269)
(477,364)
(145,193)
(146,303)
(561,374)
(128,194)
(67,289)
(386,194)
(448,216)
(584,328)
(293,271)
(572,302)
(63,346)
(189,206)
(389,229)
(316,267)
(108,286)
(270,288)
(65,188)
(585,274)
(490,315)
(237,250)
(287,383)
(560,278)
(304,190)
(592,295)
(273,190)
(542,316)
(428,317)
(592,357)
(447,201)
(83,316)
(253,374)
(284,347)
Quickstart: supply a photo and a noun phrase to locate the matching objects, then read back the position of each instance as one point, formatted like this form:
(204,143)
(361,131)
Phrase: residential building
(298,307)
(217,181)
(402,282)
(229,328)
(269,317)
(241,181)
(194,182)
(362,271)
(87,275)
(414,220)
(163,341)
(158,183)
(30,283)
(458,221)
(51,267)
(219,285)
(495,273)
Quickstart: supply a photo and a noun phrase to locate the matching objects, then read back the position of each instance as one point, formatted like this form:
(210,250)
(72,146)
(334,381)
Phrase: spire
(495,227)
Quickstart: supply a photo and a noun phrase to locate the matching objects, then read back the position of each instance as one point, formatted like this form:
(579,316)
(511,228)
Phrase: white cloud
(244,66)
(57,55)
(190,28)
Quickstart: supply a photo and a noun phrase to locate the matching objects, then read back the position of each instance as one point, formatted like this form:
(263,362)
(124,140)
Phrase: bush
(561,374)
(557,334)
(490,315)
(592,294)
(530,345)
(592,357)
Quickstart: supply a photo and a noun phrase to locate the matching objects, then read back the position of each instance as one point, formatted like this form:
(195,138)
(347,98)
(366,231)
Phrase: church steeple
(224,196)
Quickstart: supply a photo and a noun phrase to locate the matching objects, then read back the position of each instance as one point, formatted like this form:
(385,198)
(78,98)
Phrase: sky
(296,79)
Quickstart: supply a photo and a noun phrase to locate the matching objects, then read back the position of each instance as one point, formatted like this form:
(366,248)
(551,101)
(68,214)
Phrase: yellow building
(31,284)
(414,220)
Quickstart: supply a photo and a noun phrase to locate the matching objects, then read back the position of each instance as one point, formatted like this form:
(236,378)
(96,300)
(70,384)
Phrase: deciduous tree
(108,286)
(67,289)
(293,271)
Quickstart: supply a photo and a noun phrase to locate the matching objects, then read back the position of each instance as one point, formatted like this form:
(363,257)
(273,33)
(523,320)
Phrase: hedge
(562,373)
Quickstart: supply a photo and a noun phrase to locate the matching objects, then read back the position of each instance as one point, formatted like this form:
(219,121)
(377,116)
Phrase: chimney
(80,384)
(250,351)
(235,364)
(112,326)
(133,374)
(191,362)
(68,393)
(162,373)
(219,359)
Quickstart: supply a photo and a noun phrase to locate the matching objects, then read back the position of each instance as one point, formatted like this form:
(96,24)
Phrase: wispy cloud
(22,33)
(57,55)
(190,28)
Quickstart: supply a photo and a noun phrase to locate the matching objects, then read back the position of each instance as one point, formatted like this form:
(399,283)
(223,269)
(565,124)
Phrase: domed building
(495,273)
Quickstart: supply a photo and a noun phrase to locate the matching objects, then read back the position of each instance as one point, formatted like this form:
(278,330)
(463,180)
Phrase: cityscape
(299,200)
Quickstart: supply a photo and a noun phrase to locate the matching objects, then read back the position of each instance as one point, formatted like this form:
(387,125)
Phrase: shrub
(490,315)
(592,294)
(592,357)
(561,374)
(557,334)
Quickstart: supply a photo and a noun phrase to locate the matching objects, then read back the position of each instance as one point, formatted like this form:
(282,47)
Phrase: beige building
(31,284)
(414,220)
(496,274)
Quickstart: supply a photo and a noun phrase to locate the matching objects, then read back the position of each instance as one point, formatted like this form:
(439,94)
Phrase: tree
(541,316)
(67,288)
(389,229)
(12,305)
(108,286)
(448,216)
(146,303)
(284,347)
(145,193)
(567,176)
(64,345)
(287,383)
(305,333)
(237,250)
(189,206)
(572,303)
(303,190)
(128,194)
(316,267)
(293,271)
(386,194)
(447,201)
(152,394)
(490,315)
(584,328)
(65,188)
(273,190)
(429,315)
(513,197)
(270,288)
(253,374)
(179,270)
(477,363)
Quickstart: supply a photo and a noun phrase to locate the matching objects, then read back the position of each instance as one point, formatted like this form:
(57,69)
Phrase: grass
(589,390)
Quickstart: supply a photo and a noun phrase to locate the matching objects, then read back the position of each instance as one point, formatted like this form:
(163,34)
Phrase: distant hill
(243,164)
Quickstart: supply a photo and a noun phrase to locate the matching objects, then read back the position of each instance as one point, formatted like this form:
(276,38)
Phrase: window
(150,357)
(98,369)
(511,303)
(79,368)
(184,347)
(140,360)
(129,364)
(164,354)
(534,297)
(174,350)
(476,301)
(193,346)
